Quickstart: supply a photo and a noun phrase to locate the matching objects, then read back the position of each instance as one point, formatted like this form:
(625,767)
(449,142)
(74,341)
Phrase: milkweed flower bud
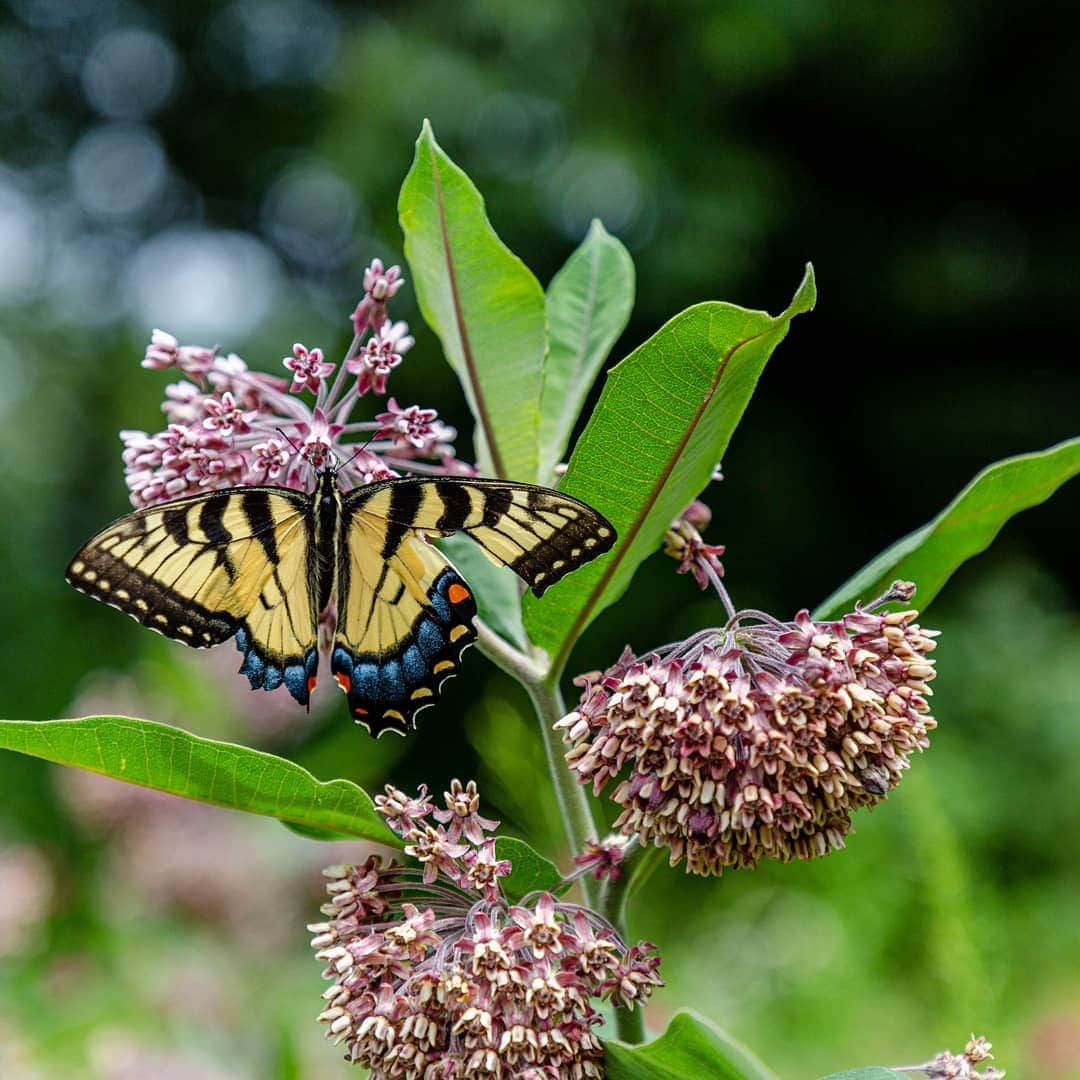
(435,973)
(760,739)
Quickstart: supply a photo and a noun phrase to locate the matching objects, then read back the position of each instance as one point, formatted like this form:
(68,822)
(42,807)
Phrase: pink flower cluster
(437,975)
(229,425)
(758,740)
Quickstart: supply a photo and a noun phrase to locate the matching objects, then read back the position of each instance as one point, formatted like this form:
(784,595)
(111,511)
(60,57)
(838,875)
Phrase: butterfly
(260,564)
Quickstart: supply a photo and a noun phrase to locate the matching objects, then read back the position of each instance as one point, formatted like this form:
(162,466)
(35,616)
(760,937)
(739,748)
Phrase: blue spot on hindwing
(342,661)
(253,667)
(391,685)
(438,597)
(429,638)
(242,640)
(365,679)
(296,678)
(273,677)
(414,667)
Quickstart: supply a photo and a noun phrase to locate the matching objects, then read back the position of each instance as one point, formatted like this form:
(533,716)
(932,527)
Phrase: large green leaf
(930,555)
(483,302)
(588,304)
(691,1048)
(663,421)
(531,871)
(172,760)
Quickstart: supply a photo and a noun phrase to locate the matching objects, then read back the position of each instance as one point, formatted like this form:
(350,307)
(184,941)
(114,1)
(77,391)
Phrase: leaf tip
(805,295)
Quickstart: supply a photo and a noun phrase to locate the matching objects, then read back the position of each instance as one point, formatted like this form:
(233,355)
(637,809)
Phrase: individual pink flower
(412,426)
(462,813)
(603,858)
(683,541)
(164,351)
(319,437)
(225,416)
(308,369)
(379,286)
(382,353)
(267,461)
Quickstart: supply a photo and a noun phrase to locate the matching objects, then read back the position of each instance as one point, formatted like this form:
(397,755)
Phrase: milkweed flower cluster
(759,739)
(437,975)
(230,425)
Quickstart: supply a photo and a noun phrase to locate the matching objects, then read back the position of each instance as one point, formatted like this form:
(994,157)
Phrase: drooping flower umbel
(437,975)
(758,739)
(230,425)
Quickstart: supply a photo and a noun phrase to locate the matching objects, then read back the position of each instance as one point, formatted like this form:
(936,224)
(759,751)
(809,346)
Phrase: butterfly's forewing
(541,534)
(209,567)
(404,613)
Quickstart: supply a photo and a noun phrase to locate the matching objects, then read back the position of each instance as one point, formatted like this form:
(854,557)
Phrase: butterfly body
(261,564)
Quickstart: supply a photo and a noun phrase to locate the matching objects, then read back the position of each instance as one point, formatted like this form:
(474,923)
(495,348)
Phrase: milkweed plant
(449,949)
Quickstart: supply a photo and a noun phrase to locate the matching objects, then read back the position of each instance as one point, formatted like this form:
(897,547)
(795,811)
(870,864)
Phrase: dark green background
(917,153)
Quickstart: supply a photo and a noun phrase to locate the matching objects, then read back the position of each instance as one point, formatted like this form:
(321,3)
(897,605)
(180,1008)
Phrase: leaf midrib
(638,523)
(463,334)
(579,358)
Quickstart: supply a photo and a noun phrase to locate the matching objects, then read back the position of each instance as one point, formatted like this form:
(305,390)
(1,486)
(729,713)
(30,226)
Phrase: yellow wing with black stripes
(236,563)
(404,612)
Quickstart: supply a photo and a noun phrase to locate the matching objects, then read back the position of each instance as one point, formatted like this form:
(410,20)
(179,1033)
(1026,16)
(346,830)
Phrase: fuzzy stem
(577,812)
(630,1025)
(636,870)
(542,686)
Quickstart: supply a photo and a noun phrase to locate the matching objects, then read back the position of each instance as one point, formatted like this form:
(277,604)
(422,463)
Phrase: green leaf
(483,302)
(663,421)
(531,872)
(930,555)
(691,1048)
(588,305)
(172,760)
(873,1072)
(497,588)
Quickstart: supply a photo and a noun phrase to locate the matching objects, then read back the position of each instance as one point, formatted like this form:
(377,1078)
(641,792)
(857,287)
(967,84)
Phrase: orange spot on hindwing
(457,593)
(343,681)
(311,683)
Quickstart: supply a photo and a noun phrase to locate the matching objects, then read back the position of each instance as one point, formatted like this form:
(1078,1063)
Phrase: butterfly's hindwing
(205,568)
(541,534)
(404,617)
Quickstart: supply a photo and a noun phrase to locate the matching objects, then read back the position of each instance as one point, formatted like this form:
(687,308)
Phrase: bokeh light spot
(129,74)
(203,284)
(310,213)
(118,170)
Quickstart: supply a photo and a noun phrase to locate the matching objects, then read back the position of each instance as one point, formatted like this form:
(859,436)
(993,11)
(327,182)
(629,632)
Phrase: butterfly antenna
(360,449)
(298,449)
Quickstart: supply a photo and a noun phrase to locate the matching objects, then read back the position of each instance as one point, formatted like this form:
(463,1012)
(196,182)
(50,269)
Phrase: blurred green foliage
(225,169)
